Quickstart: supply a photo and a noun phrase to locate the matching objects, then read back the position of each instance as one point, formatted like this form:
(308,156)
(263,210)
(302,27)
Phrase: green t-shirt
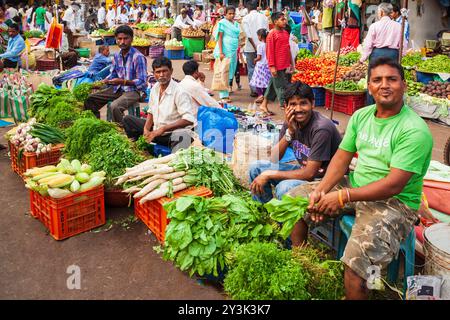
(40,15)
(402,141)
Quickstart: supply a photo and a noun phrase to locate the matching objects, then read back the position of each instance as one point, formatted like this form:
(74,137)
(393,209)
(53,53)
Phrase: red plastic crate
(31,159)
(70,215)
(153,214)
(345,103)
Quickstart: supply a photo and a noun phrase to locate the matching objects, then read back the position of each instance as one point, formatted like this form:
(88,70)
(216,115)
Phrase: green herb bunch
(263,271)
(118,154)
(45,98)
(349,59)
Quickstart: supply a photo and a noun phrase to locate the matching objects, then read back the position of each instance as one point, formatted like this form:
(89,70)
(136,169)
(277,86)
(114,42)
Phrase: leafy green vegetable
(287,211)
(118,155)
(412,60)
(62,115)
(202,231)
(82,91)
(345,86)
(349,59)
(439,63)
(303,53)
(262,271)
(81,133)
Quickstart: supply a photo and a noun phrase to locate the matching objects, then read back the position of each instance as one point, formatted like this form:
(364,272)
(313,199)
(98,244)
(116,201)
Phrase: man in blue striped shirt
(15,47)
(127,79)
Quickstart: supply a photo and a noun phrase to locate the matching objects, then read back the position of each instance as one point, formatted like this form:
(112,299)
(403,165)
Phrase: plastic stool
(134,110)
(408,246)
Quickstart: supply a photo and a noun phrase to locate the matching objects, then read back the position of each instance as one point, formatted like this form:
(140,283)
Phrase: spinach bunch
(209,169)
(203,231)
(45,98)
(82,91)
(62,115)
(262,271)
(118,155)
(287,211)
(80,135)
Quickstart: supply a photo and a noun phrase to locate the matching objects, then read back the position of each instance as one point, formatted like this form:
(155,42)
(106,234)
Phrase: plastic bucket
(192,45)
(84,52)
(437,254)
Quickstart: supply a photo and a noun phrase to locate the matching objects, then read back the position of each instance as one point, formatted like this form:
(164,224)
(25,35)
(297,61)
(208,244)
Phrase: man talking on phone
(127,79)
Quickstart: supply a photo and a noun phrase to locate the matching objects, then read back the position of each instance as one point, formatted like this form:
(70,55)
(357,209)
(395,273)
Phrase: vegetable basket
(153,214)
(71,215)
(346,102)
(27,160)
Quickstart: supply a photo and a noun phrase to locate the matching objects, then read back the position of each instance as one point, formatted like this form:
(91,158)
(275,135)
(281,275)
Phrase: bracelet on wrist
(341,202)
(348,195)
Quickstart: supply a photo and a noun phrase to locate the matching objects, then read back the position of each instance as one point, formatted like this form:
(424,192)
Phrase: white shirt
(161,12)
(145,16)
(122,18)
(12,12)
(69,17)
(101,15)
(28,13)
(243,12)
(182,23)
(110,16)
(49,17)
(251,23)
(198,94)
(175,104)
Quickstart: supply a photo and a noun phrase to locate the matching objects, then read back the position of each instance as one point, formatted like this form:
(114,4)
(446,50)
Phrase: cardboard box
(197,56)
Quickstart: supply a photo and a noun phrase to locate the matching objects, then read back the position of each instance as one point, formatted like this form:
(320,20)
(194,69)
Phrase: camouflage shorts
(380,227)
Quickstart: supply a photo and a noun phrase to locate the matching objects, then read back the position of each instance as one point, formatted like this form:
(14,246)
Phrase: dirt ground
(116,261)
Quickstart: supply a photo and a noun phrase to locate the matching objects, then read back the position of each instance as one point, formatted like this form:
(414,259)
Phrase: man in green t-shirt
(394,150)
(41,17)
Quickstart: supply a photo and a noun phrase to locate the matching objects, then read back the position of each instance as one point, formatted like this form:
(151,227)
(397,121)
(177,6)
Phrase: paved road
(115,264)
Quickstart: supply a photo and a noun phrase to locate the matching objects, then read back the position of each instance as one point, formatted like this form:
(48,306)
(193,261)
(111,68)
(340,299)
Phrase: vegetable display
(173,43)
(202,231)
(346,50)
(349,59)
(119,154)
(33,34)
(192,33)
(163,176)
(439,63)
(46,97)
(317,71)
(437,89)
(288,211)
(414,87)
(80,135)
(83,90)
(140,42)
(303,53)
(412,59)
(358,72)
(346,86)
(64,114)
(262,271)
(36,137)
(64,179)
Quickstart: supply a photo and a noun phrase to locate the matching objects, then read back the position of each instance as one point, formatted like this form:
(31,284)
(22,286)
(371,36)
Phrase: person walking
(251,23)
(40,17)
(279,60)
(261,77)
(227,43)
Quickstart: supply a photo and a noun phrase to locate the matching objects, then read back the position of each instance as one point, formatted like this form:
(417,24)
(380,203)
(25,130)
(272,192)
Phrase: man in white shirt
(161,11)
(110,17)
(170,116)
(241,11)
(12,12)
(69,17)
(251,23)
(101,16)
(181,22)
(122,18)
(193,87)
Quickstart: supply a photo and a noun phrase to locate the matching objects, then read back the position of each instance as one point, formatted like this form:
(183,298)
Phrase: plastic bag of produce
(220,77)
(19,100)
(4,104)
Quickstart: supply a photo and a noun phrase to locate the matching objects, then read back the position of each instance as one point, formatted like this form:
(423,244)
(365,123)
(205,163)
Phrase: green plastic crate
(84,52)
(192,45)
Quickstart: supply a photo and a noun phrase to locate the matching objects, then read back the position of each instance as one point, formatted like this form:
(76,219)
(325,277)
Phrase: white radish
(152,185)
(152,172)
(162,192)
(132,189)
(167,176)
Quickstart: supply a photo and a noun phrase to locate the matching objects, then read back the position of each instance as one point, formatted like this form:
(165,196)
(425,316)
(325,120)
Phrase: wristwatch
(288,136)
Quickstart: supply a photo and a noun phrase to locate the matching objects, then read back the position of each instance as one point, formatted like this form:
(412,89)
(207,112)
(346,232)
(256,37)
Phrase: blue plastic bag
(216,128)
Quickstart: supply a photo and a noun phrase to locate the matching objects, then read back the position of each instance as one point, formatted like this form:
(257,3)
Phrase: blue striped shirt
(134,68)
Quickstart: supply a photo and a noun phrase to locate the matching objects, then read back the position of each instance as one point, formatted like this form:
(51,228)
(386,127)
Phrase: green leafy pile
(118,155)
(412,60)
(80,135)
(327,276)
(33,34)
(262,271)
(287,211)
(303,53)
(45,98)
(202,231)
(439,63)
(82,91)
(347,85)
(349,59)
(63,114)
(209,168)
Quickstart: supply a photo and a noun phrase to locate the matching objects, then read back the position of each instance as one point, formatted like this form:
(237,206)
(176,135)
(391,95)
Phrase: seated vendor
(100,61)
(191,84)
(394,148)
(181,22)
(314,139)
(16,45)
(170,117)
(127,79)
(68,54)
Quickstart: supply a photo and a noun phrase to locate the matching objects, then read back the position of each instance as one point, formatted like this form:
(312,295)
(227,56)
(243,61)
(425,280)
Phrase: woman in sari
(227,37)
